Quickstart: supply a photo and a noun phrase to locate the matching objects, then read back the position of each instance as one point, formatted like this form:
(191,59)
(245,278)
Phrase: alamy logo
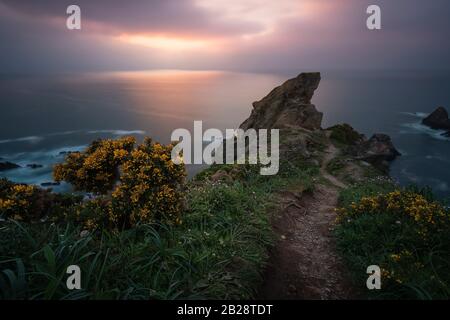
(230,149)
(74,278)
(374,20)
(74,20)
(374,280)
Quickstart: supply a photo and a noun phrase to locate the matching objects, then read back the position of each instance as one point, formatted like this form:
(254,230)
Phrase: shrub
(96,169)
(29,203)
(148,185)
(404,232)
(19,201)
(344,133)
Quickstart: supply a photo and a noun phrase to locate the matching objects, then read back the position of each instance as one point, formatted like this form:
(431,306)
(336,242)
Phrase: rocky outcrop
(287,106)
(378,150)
(344,133)
(438,119)
(8,166)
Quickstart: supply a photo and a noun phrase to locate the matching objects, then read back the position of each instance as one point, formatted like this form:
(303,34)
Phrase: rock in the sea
(8,166)
(65,152)
(438,119)
(34,166)
(287,106)
(378,150)
(50,184)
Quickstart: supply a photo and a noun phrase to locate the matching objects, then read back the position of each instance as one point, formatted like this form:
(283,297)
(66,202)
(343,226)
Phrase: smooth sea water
(41,117)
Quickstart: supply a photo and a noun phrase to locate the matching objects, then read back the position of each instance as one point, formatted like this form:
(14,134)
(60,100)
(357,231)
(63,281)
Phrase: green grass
(373,239)
(371,187)
(335,166)
(344,134)
(218,252)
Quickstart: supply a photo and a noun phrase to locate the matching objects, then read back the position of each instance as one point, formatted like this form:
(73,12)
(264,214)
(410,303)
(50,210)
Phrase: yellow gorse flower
(402,203)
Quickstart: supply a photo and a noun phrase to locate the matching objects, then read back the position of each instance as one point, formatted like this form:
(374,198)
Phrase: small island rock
(50,184)
(378,150)
(438,119)
(34,166)
(8,166)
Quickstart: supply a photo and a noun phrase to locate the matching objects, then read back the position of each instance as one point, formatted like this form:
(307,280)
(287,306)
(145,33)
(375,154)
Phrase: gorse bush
(96,169)
(406,233)
(20,201)
(150,186)
(133,185)
(429,216)
(30,203)
(147,184)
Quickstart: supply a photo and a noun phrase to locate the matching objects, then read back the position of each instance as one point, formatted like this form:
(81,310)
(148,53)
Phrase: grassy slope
(219,251)
(413,266)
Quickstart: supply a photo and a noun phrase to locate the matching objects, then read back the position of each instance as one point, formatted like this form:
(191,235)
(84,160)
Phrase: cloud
(250,35)
(164,17)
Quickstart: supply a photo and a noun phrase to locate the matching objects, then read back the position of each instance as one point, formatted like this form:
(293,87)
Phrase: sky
(236,35)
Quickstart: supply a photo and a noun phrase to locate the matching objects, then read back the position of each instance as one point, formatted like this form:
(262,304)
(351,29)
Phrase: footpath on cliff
(304,263)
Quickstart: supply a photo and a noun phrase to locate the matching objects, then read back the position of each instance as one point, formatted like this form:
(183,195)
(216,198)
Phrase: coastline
(237,234)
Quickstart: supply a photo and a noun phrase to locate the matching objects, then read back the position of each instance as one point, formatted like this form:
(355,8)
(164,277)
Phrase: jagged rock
(438,119)
(295,143)
(378,150)
(288,105)
(34,166)
(8,166)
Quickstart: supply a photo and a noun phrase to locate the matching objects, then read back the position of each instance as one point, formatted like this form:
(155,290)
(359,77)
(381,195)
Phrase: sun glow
(166,43)
(267,14)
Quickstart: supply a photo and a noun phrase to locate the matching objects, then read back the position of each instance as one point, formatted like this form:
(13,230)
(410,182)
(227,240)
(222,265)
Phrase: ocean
(43,117)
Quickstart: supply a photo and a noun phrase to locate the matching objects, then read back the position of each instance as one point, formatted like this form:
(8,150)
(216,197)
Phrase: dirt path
(330,154)
(304,263)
